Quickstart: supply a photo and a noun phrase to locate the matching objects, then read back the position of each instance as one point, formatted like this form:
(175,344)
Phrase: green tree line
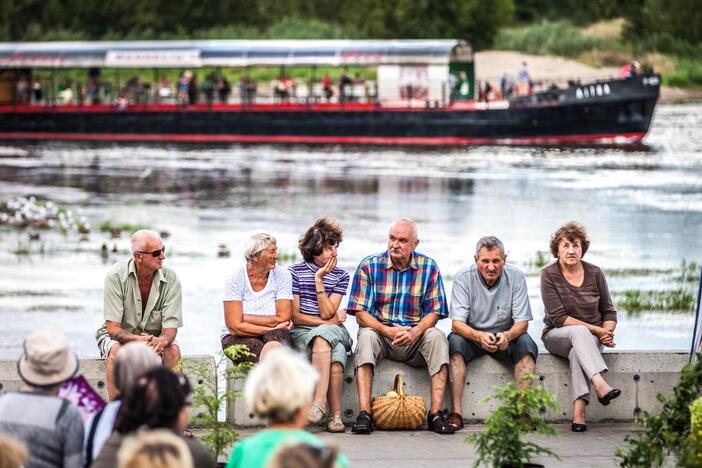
(661,24)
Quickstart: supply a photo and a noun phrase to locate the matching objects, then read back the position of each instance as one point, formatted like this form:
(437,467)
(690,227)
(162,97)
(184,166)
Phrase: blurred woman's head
(280,388)
(570,242)
(159,399)
(13,453)
(159,448)
(320,241)
(133,359)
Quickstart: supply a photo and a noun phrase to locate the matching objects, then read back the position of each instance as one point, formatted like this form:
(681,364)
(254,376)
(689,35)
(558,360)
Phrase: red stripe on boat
(363,140)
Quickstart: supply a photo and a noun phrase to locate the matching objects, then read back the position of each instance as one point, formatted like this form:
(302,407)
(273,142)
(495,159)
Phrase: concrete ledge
(640,375)
(197,368)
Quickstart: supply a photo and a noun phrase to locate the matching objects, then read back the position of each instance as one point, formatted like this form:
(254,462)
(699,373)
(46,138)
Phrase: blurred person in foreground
(142,302)
(159,448)
(279,390)
(51,427)
(579,318)
(13,453)
(160,399)
(258,301)
(132,360)
(318,286)
(304,456)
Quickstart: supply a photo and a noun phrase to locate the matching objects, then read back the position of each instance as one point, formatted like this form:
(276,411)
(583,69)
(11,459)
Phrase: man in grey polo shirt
(142,301)
(490,314)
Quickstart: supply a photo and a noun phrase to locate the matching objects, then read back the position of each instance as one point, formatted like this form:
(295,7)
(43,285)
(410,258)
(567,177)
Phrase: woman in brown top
(579,318)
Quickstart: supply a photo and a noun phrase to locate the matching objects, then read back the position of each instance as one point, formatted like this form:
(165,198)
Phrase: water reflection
(643,208)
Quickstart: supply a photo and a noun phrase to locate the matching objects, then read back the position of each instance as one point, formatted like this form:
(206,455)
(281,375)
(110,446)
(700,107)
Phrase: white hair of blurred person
(280,386)
(132,360)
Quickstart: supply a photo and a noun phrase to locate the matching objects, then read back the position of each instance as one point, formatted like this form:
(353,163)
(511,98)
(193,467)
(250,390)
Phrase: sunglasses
(154,253)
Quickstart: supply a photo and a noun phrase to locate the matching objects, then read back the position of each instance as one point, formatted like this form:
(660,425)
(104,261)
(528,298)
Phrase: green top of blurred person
(279,389)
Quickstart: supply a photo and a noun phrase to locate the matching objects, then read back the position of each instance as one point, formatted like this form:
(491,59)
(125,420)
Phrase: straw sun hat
(47,359)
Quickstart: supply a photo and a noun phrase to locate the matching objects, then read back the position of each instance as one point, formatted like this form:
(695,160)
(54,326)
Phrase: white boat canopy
(232,53)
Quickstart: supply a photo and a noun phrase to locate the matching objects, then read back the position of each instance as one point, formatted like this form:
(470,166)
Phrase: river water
(642,206)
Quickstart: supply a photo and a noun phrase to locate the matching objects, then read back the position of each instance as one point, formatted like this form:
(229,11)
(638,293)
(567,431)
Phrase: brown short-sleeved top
(590,302)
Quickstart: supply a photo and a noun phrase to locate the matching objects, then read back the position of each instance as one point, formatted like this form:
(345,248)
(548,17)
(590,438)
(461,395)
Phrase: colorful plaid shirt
(397,297)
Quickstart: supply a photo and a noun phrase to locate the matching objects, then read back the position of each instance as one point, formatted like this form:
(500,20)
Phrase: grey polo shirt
(492,310)
(122,300)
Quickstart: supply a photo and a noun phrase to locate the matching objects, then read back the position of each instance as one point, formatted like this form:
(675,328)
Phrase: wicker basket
(398,412)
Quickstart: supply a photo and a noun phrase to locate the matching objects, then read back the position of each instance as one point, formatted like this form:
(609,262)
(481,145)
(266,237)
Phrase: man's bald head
(143,239)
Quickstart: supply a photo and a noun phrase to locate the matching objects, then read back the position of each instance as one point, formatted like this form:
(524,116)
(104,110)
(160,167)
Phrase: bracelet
(321,291)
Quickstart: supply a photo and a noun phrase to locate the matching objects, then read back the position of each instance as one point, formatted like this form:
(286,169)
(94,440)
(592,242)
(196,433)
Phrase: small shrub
(220,434)
(667,433)
(520,412)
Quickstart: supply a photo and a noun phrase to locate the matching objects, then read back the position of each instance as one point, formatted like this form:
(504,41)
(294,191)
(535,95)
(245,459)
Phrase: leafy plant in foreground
(667,433)
(520,412)
(219,434)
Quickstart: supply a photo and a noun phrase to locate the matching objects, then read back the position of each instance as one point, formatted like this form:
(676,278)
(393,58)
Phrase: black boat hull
(620,114)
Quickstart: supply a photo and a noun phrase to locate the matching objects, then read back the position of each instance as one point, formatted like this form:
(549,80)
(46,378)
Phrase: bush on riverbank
(609,43)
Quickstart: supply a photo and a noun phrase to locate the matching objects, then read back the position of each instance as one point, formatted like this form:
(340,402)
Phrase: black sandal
(363,424)
(577,427)
(437,423)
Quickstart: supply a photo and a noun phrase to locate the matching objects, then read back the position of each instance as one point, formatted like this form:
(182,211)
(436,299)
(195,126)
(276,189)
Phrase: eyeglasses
(154,253)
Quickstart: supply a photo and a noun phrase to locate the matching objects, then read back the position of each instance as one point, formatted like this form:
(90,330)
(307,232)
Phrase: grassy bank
(606,44)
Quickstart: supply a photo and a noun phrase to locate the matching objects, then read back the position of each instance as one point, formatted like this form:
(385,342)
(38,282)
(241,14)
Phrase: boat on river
(424,94)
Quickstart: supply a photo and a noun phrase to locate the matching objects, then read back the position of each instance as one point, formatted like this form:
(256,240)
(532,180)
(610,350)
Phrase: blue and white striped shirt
(335,282)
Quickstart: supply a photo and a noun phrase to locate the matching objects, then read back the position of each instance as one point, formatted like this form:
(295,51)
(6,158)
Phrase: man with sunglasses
(142,301)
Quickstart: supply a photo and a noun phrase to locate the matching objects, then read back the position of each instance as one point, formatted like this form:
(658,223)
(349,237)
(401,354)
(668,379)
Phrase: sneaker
(335,424)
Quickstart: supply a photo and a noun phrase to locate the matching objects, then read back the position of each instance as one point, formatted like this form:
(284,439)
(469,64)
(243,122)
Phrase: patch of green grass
(288,256)
(687,74)
(637,301)
(550,38)
(109,225)
(689,272)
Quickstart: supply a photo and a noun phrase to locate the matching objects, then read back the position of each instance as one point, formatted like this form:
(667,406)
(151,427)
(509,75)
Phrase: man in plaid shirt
(397,297)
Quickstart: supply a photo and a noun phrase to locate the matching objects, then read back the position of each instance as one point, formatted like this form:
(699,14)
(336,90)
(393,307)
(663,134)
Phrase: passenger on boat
(524,84)
(398,297)
(142,302)
(490,314)
(318,286)
(327,87)
(579,318)
(258,301)
(279,391)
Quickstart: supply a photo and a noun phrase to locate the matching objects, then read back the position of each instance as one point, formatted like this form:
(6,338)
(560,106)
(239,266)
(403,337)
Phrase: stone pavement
(423,449)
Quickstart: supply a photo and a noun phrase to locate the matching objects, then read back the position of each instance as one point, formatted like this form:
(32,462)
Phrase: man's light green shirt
(122,300)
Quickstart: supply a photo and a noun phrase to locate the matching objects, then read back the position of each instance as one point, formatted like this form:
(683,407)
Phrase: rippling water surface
(642,206)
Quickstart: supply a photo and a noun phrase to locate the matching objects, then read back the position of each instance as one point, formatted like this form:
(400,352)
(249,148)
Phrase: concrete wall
(196,368)
(640,375)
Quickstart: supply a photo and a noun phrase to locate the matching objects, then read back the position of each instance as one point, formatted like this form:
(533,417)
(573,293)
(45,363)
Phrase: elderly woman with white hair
(280,391)
(258,301)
